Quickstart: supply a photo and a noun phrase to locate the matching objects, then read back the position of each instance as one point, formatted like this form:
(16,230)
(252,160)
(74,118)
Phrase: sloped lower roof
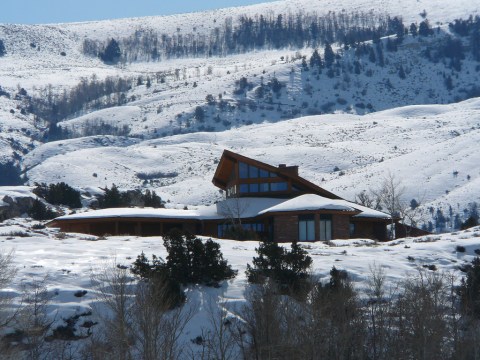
(237,207)
(316,202)
(310,202)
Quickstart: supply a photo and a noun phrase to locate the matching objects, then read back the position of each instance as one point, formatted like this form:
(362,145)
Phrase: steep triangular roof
(227,164)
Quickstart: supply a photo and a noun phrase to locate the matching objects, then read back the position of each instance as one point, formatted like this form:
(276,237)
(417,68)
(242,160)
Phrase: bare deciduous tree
(114,286)
(218,339)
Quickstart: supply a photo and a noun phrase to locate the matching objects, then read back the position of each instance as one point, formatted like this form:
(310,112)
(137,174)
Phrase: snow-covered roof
(310,202)
(134,213)
(316,202)
(234,207)
(369,213)
(242,207)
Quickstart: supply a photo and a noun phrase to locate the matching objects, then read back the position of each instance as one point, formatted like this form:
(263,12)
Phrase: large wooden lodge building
(268,202)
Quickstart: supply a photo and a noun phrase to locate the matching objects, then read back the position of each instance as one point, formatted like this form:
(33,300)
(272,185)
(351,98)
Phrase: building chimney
(288,169)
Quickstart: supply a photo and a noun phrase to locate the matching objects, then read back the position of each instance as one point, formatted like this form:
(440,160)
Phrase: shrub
(289,269)
(460,248)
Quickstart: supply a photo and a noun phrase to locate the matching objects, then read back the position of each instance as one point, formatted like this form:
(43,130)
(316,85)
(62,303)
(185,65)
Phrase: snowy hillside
(422,146)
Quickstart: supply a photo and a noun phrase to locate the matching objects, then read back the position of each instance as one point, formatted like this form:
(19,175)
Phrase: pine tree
(470,289)
(413,29)
(401,72)
(3,51)
(39,211)
(316,60)
(113,198)
(371,55)
(111,54)
(424,29)
(328,55)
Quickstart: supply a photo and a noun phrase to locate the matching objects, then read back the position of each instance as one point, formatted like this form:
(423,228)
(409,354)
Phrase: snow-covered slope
(422,146)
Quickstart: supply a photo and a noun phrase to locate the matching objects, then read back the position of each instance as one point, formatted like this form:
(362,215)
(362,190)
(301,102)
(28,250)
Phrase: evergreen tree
(151,199)
(190,260)
(424,29)
(413,29)
(10,174)
(39,211)
(449,83)
(3,51)
(289,269)
(371,55)
(328,55)
(316,60)
(113,198)
(469,290)
(401,72)
(111,54)
(59,194)
(199,114)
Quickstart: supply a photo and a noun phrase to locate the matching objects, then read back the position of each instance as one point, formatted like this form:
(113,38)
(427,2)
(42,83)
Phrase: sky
(57,11)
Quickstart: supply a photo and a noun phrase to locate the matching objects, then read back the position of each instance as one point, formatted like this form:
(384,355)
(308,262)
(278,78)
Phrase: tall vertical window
(243,170)
(325,227)
(306,228)
(253,172)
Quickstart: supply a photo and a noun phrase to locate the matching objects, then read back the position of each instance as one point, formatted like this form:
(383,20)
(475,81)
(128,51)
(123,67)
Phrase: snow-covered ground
(67,262)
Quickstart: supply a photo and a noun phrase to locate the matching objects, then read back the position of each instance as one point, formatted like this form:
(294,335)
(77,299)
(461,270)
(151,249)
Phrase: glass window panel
(325,228)
(264,187)
(253,187)
(278,186)
(244,188)
(273,174)
(302,230)
(328,230)
(311,230)
(263,173)
(243,170)
(253,172)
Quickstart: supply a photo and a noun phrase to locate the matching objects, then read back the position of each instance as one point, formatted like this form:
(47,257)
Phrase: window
(223,229)
(306,228)
(278,186)
(243,170)
(252,172)
(325,227)
(264,173)
(255,227)
(253,188)
(243,188)
(264,187)
(352,229)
